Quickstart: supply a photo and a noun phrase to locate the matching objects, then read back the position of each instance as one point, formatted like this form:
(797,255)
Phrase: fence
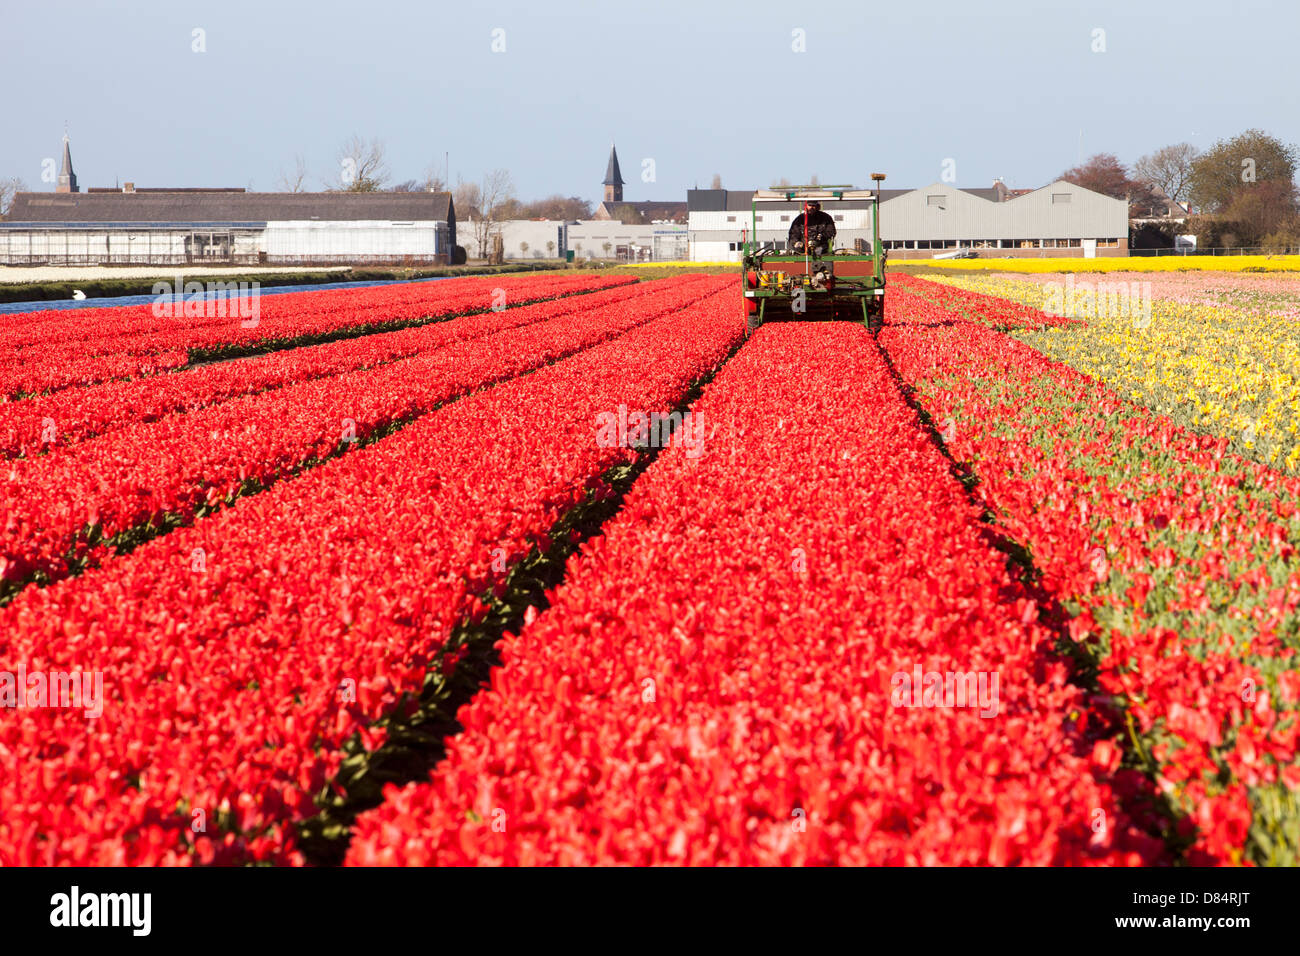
(1224,251)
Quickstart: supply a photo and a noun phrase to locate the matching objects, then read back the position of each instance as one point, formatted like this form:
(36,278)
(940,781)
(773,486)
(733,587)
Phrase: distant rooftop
(227,205)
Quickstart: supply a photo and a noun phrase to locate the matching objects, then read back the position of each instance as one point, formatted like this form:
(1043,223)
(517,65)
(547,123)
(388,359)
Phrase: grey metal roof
(45,224)
(967,216)
(706,200)
(741,200)
(193,207)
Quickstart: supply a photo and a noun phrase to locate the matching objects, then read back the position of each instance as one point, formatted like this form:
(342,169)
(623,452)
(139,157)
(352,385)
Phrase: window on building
(785,218)
(839,218)
(731,219)
(1108,243)
(934,200)
(1060,197)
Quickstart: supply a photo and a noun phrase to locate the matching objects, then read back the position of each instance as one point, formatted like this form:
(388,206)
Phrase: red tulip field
(570,569)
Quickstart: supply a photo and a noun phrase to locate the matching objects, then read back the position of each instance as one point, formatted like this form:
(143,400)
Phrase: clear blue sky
(1004,89)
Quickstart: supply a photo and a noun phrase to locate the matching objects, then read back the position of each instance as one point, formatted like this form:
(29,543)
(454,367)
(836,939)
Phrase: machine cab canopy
(818,193)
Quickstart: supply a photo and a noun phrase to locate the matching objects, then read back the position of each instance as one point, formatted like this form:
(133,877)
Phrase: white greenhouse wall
(351,240)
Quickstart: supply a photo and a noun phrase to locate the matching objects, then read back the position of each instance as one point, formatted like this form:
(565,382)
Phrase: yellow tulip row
(1120,264)
(1217,369)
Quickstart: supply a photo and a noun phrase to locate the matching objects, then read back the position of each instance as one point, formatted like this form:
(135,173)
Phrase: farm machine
(805,277)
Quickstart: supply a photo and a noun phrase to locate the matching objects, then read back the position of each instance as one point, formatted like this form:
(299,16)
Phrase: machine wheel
(876,314)
(752,320)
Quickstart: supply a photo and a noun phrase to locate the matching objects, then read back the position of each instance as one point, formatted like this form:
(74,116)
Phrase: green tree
(1252,158)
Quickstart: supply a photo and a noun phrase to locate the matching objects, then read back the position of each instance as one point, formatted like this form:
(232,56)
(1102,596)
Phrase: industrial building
(210,226)
(1061,219)
(184,226)
(130,226)
(585,238)
(719,221)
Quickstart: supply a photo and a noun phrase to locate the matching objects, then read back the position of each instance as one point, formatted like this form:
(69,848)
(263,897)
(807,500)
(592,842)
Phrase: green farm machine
(806,277)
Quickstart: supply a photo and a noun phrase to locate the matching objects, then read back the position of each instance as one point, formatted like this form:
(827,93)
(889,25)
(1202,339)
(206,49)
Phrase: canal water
(9,308)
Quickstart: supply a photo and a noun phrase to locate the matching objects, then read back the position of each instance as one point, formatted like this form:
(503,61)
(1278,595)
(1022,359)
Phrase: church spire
(67,178)
(613,178)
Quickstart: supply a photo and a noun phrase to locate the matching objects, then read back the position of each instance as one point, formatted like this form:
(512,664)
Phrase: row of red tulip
(798,647)
(95,325)
(976,307)
(73,415)
(95,345)
(1174,558)
(64,508)
(240,654)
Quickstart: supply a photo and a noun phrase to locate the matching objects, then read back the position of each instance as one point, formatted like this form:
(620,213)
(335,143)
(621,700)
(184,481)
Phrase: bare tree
(1169,167)
(295,181)
(488,200)
(556,207)
(467,197)
(628,214)
(1102,173)
(782,183)
(407,186)
(8,189)
(717,181)
(363,167)
(814,180)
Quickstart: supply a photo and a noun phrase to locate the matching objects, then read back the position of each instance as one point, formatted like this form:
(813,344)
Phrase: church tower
(67,178)
(613,178)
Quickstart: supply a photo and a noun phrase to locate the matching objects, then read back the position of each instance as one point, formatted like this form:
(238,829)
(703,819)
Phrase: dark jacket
(821,228)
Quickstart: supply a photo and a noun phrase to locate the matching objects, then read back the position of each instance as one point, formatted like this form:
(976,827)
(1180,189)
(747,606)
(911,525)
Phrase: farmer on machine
(812,230)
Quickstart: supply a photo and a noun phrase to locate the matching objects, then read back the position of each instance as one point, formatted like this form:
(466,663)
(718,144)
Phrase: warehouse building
(129,226)
(719,221)
(585,238)
(1061,219)
(209,226)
